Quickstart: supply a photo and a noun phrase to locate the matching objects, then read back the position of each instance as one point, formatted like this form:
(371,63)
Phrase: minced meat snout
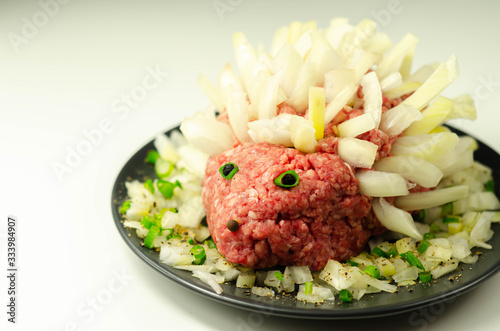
(258,224)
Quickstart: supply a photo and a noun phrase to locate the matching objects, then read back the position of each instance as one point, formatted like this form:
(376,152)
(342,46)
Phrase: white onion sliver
(381,184)
(209,279)
(358,153)
(207,135)
(444,75)
(372,96)
(237,112)
(336,81)
(394,58)
(423,200)
(397,119)
(411,168)
(394,218)
(356,126)
(391,81)
(336,105)
(299,98)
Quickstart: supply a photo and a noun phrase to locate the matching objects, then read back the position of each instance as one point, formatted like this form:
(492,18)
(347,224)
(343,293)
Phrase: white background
(70,73)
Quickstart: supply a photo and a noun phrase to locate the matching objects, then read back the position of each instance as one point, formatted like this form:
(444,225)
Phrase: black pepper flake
(233,225)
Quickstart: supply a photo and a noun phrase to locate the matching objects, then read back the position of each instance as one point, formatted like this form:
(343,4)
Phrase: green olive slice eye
(287,179)
(228,170)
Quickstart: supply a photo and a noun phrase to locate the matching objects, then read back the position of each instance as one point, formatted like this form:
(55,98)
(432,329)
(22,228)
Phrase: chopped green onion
(420,217)
(308,288)
(125,206)
(210,243)
(171,232)
(352,263)
(199,254)
(190,241)
(173,235)
(163,168)
(422,247)
(447,209)
(173,210)
(434,228)
(147,222)
(345,295)
(451,219)
(278,275)
(166,188)
(377,251)
(287,179)
(228,170)
(372,271)
(149,186)
(152,234)
(393,252)
(152,156)
(490,186)
(429,235)
(412,260)
(424,276)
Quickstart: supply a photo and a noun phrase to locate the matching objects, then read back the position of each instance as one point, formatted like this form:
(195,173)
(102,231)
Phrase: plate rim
(199,288)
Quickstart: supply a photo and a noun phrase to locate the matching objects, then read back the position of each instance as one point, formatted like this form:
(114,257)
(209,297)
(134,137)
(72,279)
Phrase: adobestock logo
(31,27)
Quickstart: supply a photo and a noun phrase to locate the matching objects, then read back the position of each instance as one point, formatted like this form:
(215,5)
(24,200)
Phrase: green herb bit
(424,276)
(147,222)
(352,263)
(190,241)
(372,271)
(278,275)
(345,295)
(173,235)
(125,206)
(152,156)
(228,170)
(434,228)
(164,168)
(287,179)
(429,235)
(149,186)
(166,188)
(393,252)
(490,186)
(451,219)
(170,232)
(152,234)
(308,288)
(447,209)
(210,243)
(412,260)
(422,247)
(377,251)
(199,254)
(420,217)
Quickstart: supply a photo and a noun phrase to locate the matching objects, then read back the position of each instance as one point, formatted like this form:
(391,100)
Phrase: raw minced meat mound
(324,217)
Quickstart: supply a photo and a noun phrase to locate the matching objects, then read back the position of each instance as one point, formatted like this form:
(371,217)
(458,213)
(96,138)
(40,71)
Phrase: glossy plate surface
(447,288)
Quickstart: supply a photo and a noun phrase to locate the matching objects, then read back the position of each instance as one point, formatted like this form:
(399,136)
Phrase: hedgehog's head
(267,204)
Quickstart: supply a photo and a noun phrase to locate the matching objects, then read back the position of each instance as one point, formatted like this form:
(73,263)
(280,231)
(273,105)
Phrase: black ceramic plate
(447,287)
